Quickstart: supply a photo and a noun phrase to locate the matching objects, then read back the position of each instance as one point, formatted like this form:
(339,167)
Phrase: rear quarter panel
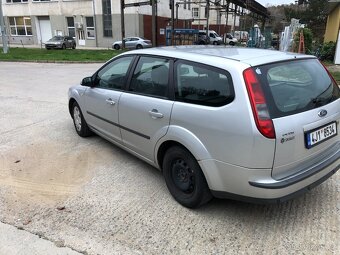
(226,133)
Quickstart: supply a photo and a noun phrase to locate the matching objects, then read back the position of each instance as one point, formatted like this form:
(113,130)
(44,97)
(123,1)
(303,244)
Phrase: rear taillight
(258,104)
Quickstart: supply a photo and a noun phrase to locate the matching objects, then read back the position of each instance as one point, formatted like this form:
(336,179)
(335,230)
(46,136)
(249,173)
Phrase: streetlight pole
(3,31)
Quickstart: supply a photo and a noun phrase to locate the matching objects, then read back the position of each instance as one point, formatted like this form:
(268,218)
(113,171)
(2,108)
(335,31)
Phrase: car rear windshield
(295,86)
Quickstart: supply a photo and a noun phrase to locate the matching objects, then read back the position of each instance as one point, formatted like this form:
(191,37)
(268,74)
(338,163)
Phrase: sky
(275,2)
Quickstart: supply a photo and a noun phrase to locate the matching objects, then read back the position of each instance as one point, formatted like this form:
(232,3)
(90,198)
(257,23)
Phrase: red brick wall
(162,22)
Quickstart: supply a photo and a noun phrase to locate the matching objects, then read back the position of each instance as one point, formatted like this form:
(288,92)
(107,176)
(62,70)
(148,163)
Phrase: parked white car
(230,40)
(213,37)
(132,43)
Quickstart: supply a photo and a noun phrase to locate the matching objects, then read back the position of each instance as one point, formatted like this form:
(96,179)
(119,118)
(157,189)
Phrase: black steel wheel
(79,122)
(184,178)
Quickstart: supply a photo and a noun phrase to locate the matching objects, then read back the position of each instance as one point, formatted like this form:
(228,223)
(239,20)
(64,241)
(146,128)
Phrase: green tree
(313,14)
(316,17)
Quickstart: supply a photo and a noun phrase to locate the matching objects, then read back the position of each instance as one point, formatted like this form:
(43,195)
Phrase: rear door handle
(110,101)
(155,114)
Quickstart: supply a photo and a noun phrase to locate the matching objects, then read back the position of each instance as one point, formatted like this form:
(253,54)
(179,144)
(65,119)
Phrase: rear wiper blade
(319,98)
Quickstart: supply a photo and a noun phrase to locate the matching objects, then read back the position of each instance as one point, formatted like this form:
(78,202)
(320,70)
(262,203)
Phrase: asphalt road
(94,198)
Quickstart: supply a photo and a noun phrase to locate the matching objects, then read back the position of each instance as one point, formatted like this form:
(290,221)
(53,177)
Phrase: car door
(144,110)
(128,43)
(101,101)
(134,42)
(67,42)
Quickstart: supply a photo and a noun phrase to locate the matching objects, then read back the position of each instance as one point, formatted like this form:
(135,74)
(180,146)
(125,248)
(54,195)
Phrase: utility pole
(3,31)
(207,10)
(154,32)
(122,22)
(235,13)
(172,4)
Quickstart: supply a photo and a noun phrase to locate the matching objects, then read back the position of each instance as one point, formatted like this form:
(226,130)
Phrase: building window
(90,33)
(70,27)
(16,1)
(20,25)
(107,19)
(41,0)
(195,13)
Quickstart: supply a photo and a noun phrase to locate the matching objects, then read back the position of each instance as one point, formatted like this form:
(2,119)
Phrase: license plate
(321,134)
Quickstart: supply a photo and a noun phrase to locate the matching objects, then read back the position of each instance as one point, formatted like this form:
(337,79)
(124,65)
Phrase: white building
(90,22)
(217,18)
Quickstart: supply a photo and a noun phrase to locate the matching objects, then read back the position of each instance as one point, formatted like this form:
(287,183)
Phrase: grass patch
(29,54)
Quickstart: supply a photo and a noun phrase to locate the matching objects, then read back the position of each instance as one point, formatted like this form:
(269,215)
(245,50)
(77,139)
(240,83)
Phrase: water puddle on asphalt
(45,173)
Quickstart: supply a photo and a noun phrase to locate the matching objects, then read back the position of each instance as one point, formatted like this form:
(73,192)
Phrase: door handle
(110,101)
(155,114)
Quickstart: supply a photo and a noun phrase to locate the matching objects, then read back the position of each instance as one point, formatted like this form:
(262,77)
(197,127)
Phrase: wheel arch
(178,136)
(163,148)
(70,104)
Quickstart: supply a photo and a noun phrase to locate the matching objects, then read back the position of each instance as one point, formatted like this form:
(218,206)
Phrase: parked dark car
(61,42)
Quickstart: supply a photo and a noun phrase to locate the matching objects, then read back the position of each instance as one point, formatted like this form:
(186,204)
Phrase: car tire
(139,46)
(184,178)
(79,122)
(116,47)
(231,43)
(63,47)
(74,46)
(215,43)
(48,48)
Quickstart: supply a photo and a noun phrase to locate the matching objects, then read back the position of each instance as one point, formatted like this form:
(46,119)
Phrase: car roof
(251,56)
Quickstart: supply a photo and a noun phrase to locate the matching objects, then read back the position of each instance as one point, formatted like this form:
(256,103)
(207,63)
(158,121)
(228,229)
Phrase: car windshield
(296,86)
(57,38)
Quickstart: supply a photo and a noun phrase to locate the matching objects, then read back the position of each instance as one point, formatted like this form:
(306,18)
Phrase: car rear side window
(151,77)
(296,86)
(202,84)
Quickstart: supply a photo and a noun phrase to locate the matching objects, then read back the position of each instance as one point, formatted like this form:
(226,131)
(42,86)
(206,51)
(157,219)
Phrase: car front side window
(114,74)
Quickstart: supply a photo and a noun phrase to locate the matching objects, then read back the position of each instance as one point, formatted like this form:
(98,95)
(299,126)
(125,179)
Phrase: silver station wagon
(247,124)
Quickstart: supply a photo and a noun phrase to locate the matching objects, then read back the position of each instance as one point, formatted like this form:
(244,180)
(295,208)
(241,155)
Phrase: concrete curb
(14,241)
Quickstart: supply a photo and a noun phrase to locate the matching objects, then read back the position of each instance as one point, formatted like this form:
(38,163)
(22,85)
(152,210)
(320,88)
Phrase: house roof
(332,4)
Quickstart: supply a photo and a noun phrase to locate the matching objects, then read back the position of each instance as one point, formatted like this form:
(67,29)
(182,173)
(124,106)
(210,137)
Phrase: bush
(326,51)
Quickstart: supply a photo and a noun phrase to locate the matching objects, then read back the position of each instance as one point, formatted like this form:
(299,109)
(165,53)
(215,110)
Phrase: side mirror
(87,81)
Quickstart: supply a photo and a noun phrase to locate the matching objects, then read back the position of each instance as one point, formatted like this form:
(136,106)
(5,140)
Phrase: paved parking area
(92,197)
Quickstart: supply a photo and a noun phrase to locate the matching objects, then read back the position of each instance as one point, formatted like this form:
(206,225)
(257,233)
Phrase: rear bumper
(304,174)
(220,194)
(256,185)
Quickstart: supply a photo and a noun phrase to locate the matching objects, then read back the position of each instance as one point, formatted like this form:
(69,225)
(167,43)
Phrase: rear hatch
(304,105)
